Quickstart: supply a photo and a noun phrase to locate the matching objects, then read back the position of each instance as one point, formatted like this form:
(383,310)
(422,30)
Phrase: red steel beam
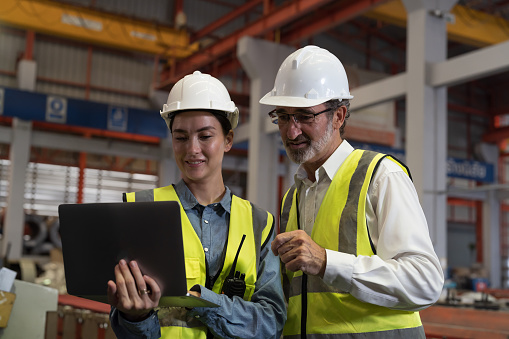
(343,14)
(401,45)
(29,45)
(8,73)
(362,48)
(496,135)
(267,8)
(467,110)
(277,18)
(179,7)
(92,132)
(479,232)
(323,25)
(81,177)
(225,19)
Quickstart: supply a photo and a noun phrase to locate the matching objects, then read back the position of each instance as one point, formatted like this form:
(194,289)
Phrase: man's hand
(299,252)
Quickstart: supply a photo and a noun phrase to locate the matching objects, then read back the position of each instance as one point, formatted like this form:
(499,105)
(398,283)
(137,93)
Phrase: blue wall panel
(33,106)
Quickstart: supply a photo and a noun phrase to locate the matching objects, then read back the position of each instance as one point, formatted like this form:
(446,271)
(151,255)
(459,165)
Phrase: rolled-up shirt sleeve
(405,273)
(125,329)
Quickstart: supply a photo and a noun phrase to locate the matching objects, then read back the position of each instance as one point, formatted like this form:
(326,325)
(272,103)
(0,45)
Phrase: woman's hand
(134,294)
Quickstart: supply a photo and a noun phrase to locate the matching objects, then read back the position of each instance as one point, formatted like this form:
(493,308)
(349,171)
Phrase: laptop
(96,236)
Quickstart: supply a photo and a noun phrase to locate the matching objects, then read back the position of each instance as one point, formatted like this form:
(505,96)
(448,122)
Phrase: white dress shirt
(405,273)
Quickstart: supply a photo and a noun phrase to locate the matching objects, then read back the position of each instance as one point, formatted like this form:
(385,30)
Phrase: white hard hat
(308,77)
(199,91)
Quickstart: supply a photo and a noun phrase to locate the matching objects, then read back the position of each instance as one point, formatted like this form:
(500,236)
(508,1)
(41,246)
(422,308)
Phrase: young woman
(201,118)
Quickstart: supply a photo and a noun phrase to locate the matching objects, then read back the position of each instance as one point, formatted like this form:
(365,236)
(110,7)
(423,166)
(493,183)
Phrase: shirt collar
(330,166)
(188,200)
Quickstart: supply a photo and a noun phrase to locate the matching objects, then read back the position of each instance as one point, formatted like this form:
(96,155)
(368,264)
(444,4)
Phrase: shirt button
(206,249)
(206,221)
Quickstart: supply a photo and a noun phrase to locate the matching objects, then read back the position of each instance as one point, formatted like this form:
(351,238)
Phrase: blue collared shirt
(262,317)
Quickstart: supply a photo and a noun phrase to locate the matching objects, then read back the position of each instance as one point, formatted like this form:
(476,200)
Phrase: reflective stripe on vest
(340,225)
(393,334)
(248,219)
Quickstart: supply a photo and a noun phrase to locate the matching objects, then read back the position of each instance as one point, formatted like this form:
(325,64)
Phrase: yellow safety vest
(322,311)
(246,219)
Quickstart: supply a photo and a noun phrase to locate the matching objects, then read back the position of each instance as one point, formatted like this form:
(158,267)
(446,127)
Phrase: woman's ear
(228,141)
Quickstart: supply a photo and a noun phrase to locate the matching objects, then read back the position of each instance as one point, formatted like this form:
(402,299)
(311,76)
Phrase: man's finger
(280,240)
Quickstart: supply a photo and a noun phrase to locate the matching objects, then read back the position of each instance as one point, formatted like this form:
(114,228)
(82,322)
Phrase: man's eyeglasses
(280,118)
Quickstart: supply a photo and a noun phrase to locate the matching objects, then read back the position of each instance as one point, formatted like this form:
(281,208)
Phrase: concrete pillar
(15,214)
(426,118)
(27,75)
(261,60)
(491,219)
(157,98)
(169,172)
(491,239)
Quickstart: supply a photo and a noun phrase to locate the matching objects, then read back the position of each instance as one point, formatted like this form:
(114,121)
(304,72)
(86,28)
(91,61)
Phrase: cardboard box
(6,304)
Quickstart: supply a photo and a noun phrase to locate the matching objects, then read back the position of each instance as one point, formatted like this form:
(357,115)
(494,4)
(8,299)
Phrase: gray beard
(305,154)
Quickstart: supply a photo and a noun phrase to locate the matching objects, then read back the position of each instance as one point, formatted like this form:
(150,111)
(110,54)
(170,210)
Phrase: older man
(355,244)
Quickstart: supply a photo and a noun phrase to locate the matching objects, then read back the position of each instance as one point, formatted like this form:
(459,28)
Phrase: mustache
(300,138)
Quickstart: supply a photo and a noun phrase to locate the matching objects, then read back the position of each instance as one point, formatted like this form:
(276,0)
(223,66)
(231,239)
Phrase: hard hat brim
(286,101)
(233,117)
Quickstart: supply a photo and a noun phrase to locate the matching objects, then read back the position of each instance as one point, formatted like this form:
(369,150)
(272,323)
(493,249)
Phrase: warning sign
(56,109)
(117,119)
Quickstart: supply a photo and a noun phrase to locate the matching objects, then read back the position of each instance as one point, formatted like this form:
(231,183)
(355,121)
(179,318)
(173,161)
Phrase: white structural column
(169,173)
(261,60)
(426,114)
(491,242)
(27,75)
(15,215)
(491,239)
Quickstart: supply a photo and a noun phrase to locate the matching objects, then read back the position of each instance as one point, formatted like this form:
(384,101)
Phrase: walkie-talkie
(235,283)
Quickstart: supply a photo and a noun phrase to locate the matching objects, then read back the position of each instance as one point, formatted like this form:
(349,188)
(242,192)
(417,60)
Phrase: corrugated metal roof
(58,61)
(124,73)
(11,45)
(119,99)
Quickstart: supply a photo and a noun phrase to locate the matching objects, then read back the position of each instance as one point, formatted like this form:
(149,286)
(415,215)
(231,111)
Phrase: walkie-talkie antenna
(232,271)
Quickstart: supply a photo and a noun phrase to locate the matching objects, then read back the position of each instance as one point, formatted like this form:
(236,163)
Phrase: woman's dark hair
(334,104)
(221,117)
